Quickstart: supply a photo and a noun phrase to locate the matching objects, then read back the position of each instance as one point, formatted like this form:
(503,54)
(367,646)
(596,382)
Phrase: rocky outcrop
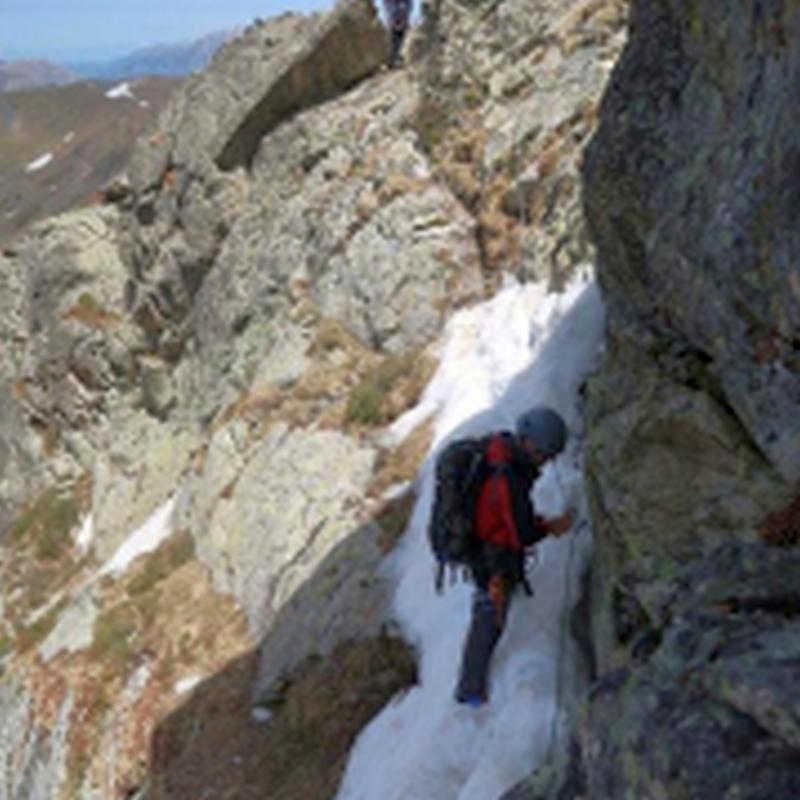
(697,257)
(286,505)
(71,350)
(718,687)
(509,99)
(693,418)
(187,191)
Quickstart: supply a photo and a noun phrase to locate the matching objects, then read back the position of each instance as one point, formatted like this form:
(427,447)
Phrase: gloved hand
(558,526)
(531,559)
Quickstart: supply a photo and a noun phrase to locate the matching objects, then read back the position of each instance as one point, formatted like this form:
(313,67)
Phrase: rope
(562,635)
(561,647)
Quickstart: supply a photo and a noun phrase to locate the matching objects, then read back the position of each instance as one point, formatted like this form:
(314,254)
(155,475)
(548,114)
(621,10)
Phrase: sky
(88,30)
(521,348)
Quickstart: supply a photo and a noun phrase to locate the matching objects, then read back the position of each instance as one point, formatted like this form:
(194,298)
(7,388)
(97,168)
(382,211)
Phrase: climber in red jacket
(505,524)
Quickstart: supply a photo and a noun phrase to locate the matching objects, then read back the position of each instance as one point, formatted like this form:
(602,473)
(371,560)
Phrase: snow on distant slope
(522,348)
(121,91)
(85,536)
(39,163)
(143,540)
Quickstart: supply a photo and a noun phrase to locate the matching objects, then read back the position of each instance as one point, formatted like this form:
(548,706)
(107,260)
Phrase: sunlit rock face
(691,198)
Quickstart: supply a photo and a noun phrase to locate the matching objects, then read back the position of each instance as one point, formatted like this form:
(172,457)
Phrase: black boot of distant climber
(396,47)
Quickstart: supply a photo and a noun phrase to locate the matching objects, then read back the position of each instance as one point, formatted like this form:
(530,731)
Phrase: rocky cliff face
(195,490)
(691,197)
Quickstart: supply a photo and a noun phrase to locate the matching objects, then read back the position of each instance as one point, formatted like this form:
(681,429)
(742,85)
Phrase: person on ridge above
(398,14)
(503,524)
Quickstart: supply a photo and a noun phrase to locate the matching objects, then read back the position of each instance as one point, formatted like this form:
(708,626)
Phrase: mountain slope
(31,74)
(60,145)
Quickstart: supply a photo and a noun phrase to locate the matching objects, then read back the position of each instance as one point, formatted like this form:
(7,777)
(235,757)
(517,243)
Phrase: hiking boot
(471,700)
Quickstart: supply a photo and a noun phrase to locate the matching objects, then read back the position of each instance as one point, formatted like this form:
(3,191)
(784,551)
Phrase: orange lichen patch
(782,528)
(88,312)
(766,349)
(169,178)
(399,184)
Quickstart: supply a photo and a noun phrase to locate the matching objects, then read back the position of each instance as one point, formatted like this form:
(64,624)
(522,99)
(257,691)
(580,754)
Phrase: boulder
(715,686)
(694,414)
(264,535)
(186,177)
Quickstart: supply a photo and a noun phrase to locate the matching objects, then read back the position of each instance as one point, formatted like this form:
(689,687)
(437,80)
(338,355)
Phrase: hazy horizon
(92,30)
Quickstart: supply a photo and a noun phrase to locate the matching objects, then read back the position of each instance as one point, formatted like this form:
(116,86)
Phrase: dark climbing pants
(486,625)
(396,45)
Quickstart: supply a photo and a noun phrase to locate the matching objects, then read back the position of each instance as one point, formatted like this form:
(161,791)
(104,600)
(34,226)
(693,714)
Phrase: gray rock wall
(691,199)
(694,416)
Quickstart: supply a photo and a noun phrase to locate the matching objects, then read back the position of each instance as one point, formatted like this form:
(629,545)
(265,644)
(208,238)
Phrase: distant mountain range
(172,60)
(176,60)
(30,74)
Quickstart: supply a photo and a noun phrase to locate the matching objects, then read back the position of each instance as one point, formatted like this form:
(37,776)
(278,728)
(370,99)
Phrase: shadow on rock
(218,745)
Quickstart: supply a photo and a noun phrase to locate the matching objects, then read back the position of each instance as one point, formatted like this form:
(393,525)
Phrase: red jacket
(504,514)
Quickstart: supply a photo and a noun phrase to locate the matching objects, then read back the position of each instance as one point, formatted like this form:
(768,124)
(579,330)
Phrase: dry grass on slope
(212,747)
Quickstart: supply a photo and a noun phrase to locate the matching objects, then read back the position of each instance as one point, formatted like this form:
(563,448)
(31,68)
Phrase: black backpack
(460,471)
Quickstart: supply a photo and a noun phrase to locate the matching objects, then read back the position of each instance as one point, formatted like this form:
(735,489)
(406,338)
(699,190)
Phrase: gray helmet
(545,427)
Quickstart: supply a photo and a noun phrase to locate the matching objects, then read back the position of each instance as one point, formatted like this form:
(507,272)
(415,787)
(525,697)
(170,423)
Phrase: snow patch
(144,540)
(69,137)
(186,685)
(85,536)
(522,348)
(39,163)
(121,91)
(261,715)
